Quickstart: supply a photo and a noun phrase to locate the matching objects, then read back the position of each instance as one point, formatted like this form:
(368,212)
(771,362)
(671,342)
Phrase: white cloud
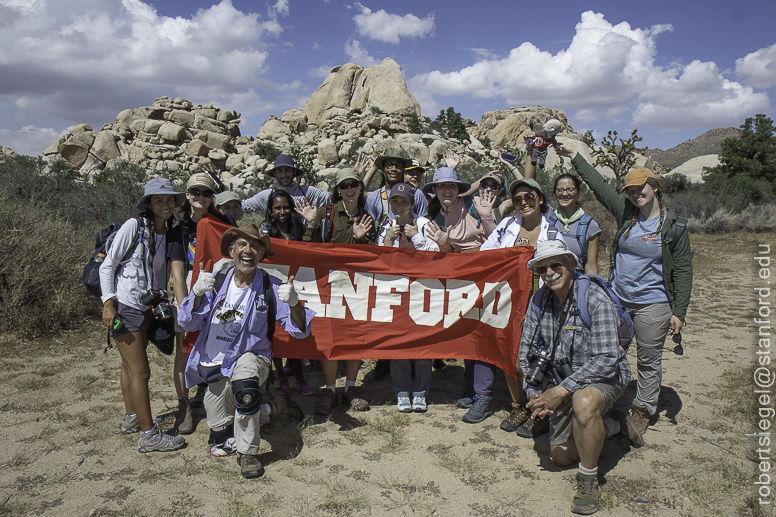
(358,54)
(316,46)
(759,67)
(389,28)
(605,67)
(29,140)
(321,72)
(280,7)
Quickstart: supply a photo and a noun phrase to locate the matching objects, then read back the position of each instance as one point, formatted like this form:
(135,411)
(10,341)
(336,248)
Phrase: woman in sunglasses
(200,200)
(282,221)
(344,222)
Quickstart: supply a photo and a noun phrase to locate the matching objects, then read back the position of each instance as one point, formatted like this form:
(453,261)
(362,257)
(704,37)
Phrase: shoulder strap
(220,278)
(552,218)
(676,231)
(269,299)
(584,315)
(584,223)
(328,226)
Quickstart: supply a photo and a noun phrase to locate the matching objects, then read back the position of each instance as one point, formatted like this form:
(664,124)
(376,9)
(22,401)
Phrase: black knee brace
(247,397)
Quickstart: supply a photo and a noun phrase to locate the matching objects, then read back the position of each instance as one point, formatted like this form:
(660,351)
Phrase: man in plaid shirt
(595,376)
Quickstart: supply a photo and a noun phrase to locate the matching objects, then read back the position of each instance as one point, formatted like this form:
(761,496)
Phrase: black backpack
(91,275)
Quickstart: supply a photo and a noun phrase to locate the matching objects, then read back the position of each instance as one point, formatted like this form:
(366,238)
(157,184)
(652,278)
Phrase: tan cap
(202,180)
(638,177)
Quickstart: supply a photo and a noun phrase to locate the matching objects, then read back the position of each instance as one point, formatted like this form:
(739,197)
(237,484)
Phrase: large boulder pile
(7,153)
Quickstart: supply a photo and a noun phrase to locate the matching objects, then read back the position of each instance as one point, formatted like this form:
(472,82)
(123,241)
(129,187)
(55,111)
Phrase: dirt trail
(60,410)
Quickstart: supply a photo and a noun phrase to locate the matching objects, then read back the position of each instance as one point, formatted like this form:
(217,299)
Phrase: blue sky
(671,69)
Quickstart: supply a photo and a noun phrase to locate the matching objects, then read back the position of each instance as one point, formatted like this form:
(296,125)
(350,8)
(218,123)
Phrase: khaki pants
(220,404)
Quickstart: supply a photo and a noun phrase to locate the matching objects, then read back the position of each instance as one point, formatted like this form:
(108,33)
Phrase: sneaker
(586,498)
(640,417)
(479,411)
(185,422)
(464,402)
(197,402)
(326,401)
(303,387)
(419,403)
(516,418)
(283,384)
(156,441)
(439,364)
(280,403)
(403,403)
(131,425)
(356,402)
(629,428)
(222,450)
(532,428)
(250,466)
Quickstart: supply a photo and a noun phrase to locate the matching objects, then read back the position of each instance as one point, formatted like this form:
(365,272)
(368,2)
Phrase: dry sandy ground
(60,410)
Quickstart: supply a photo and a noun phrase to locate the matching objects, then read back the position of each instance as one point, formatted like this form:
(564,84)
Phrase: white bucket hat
(553,248)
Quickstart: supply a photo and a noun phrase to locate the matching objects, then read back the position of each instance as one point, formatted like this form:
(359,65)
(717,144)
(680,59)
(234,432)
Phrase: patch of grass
(392,427)
(737,405)
(408,495)
(32,384)
(343,500)
(714,481)
(19,460)
(13,508)
(463,464)
(751,507)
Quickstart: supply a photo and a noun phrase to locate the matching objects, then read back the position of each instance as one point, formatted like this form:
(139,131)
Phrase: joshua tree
(619,157)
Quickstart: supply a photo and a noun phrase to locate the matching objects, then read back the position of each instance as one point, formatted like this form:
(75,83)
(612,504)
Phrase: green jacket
(677,266)
(343,226)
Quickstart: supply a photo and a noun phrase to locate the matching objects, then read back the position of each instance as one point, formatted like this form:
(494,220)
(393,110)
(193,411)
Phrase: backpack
(625,328)
(581,235)
(91,275)
(328,226)
(269,298)
(675,232)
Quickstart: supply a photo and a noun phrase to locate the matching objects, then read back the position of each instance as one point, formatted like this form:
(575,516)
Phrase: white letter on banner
(500,317)
(436,306)
(463,296)
(385,297)
(279,271)
(307,289)
(357,299)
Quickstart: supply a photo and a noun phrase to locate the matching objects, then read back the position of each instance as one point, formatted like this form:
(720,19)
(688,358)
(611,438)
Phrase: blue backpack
(581,234)
(625,328)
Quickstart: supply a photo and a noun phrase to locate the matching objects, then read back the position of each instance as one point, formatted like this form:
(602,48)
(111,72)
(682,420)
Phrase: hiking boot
(464,402)
(353,400)
(250,466)
(403,404)
(532,428)
(156,441)
(516,418)
(439,365)
(131,425)
(196,402)
(326,401)
(280,403)
(185,422)
(640,417)
(419,403)
(303,387)
(586,498)
(629,428)
(479,411)
(283,384)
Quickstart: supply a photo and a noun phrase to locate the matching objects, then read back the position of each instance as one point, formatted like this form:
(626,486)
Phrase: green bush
(267,151)
(453,124)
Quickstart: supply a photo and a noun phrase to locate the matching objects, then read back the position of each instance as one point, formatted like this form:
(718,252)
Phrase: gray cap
(226,196)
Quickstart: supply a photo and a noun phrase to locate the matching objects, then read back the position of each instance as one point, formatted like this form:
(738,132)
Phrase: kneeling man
(573,374)
(232,353)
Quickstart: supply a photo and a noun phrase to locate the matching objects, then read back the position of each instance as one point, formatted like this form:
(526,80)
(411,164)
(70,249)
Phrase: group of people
(586,369)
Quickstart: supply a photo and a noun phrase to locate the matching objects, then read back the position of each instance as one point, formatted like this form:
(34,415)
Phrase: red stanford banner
(374,302)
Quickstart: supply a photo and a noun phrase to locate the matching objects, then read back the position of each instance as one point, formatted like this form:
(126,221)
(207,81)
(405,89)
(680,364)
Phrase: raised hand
(451,159)
(205,281)
(306,210)
(435,233)
(393,231)
(484,203)
(361,227)
(287,293)
(362,163)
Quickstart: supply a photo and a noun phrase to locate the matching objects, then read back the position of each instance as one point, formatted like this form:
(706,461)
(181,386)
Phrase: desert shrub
(414,124)
(453,124)
(375,110)
(588,139)
(266,150)
(355,147)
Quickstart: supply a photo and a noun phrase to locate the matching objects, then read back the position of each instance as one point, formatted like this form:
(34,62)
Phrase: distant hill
(707,143)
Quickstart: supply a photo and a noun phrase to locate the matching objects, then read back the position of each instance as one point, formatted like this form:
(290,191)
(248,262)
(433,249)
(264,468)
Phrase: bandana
(574,217)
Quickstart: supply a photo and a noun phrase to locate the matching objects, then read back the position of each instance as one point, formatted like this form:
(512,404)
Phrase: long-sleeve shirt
(252,336)
(315,196)
(419,242)
(377,200)
(595,354)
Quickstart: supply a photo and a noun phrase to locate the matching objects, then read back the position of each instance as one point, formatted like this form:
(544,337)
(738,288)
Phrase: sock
(332,387)
(588,472)
(266,408)
(349,384)
(133,414)
(612,427)
(155,427)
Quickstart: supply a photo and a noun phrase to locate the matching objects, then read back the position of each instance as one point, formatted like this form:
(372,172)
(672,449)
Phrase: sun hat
(160,187)
(347,173)
(492,175)
(202,180)
(284,160)
(403,190)
(526,181)
(393,154)
(226,196)
(247,231)
(638,177)
(447,175)
(551,248)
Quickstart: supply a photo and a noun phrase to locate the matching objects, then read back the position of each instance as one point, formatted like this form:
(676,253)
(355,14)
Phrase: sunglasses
(490,186)
(556,266)
(529,198)
(568,190)
(394,165)
(207,194)
(348,185)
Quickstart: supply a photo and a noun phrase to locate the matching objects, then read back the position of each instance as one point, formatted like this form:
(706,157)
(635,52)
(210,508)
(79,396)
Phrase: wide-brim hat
(393,154)
(201,180)
(284,160)
(246,231)
(638,177)
(551,248)
(160,187)
(447,175)
(493,175)
(530,182)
